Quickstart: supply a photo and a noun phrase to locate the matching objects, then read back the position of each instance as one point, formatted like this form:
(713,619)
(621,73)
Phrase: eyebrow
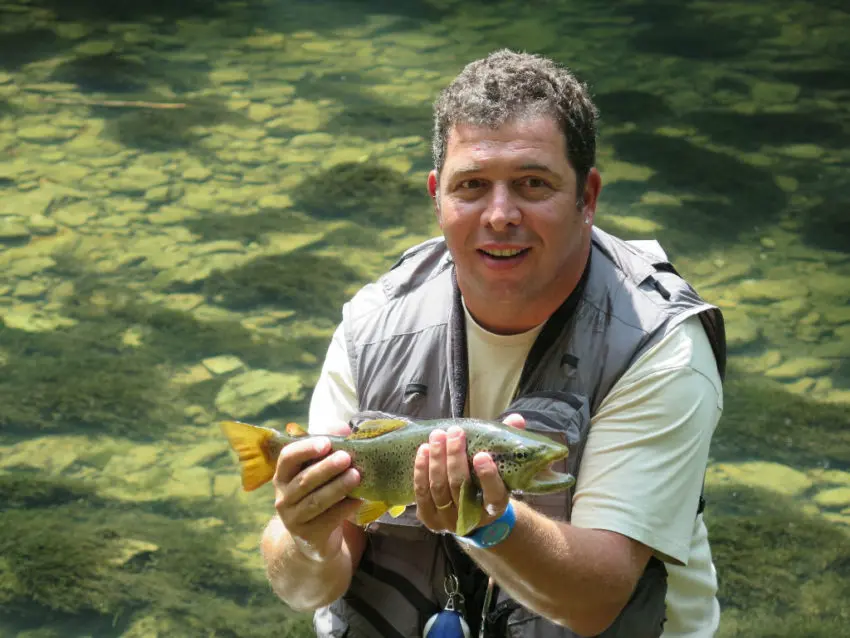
(475,168)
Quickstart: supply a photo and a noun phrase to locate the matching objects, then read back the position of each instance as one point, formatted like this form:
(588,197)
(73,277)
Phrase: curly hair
(506,85)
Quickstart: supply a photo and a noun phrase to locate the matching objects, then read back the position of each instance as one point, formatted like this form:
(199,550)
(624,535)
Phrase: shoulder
(684,347)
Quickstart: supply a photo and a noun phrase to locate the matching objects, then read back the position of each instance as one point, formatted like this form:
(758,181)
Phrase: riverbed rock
(772,476)
(801,367)
(833,498)
(223,364)
(248,394)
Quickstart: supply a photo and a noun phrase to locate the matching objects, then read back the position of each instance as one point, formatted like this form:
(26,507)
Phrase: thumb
(515,421)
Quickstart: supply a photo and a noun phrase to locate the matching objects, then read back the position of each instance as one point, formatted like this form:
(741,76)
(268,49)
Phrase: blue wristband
(494,533)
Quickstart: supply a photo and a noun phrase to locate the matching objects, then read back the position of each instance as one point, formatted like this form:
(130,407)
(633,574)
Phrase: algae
(32,489)
(166,129)
(761,419)
(777,563)
(827,225)
(248,228)
(23,46)
(114,565)
(107,73)
(752,131)
(309,283)
(369,194)
(81,377)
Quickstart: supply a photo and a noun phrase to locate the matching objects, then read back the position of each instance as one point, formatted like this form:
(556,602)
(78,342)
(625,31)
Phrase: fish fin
(397,511)
(370,511)
(468,509)
(294,430)
(250,442)
(376,427)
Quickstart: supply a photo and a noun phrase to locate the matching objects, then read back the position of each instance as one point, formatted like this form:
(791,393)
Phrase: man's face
(507,205)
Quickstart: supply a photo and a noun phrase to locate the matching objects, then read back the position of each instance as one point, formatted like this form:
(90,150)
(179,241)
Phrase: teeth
(508,252)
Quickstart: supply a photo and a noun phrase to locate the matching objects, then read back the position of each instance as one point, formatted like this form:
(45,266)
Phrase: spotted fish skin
(383,450)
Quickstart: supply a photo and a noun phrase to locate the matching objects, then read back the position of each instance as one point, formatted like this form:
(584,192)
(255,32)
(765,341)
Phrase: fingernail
(351,478)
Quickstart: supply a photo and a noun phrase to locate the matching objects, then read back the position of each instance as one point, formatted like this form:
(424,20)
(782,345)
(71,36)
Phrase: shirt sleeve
(334,399)
(644,462)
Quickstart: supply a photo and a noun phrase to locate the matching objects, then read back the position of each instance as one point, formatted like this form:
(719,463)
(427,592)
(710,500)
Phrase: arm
(579,578)
(311,553)
(637,492)
(307,583)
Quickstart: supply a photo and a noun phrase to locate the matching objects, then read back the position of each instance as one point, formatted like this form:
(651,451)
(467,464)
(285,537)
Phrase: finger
(457,464)
(315,476)
(515,421)
(314,538)
(437,471)
(495,494)
(425,509)
(317,502)
(338,428)
(293,457)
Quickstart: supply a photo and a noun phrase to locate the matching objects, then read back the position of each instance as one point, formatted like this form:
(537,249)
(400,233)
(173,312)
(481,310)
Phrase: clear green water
(163,268)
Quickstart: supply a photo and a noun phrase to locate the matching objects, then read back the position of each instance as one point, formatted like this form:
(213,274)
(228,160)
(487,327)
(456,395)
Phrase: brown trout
(382,450)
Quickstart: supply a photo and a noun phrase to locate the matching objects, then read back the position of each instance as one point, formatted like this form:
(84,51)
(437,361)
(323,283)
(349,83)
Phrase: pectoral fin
(468,509)
(370,511)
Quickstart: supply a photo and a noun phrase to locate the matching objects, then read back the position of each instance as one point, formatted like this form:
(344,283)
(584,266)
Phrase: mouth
(547,480)
(501,257)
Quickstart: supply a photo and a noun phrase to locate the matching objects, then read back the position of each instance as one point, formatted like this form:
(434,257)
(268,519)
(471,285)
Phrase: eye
(534,182)
(471,184)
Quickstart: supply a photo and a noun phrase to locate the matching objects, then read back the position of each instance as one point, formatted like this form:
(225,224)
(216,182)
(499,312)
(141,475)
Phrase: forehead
(518,139)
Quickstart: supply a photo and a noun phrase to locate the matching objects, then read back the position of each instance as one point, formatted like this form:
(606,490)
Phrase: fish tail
(251,444)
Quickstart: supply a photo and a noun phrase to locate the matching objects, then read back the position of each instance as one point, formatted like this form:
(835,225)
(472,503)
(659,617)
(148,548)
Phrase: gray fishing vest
(406,341)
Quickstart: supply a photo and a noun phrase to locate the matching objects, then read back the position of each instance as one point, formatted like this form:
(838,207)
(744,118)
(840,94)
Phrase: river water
(189,190)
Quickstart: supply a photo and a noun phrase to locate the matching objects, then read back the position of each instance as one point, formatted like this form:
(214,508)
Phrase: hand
(313,501)
(441,467)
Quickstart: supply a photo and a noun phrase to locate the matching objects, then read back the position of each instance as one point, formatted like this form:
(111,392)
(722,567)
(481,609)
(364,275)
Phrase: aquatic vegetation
(763,420)
(309,283)
(630,105)
(165,129)
(827,225)
(34,489)
(752,131)
(112,567)
(19,47)
(81,377)
(782,571)
(377,121)
(108,73)
(123,10)
(247,228)
(686,30)
(704,178)
(368,193)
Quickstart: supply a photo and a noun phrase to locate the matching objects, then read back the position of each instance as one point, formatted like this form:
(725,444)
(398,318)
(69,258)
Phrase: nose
(501,210)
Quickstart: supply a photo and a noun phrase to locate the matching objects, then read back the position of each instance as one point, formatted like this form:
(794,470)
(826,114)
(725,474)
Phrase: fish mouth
(547,480)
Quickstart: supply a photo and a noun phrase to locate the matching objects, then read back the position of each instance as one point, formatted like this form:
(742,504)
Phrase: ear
(592,187)
(435,198)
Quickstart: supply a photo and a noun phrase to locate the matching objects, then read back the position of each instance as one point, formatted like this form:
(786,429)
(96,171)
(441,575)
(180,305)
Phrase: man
(521,307)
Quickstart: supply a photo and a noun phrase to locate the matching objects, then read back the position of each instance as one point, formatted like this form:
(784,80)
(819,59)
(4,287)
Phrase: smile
(504,253)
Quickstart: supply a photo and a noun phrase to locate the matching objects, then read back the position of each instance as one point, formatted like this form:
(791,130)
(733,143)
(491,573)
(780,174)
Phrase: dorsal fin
(376,427)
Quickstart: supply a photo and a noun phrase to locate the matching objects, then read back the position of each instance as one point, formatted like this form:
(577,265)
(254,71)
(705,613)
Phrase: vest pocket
(413,398)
